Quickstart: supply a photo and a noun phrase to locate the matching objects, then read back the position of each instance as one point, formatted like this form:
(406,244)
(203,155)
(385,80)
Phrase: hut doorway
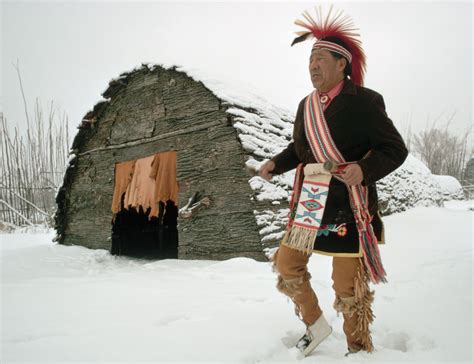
(145,207)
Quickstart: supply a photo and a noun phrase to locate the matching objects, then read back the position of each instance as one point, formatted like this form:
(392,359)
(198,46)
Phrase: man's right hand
(265,170)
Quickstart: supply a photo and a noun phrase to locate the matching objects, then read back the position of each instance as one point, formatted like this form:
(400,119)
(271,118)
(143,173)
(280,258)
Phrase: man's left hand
(352,174)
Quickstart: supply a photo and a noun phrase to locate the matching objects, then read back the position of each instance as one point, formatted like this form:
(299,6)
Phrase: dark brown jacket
(358,123)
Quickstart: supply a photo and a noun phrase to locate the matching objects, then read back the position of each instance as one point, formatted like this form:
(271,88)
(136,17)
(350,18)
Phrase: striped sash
(324,149)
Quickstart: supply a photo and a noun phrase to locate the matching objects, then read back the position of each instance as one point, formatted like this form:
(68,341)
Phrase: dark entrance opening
(144,207)
(135,234)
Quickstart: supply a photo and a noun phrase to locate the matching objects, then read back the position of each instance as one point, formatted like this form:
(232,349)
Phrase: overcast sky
(419,54)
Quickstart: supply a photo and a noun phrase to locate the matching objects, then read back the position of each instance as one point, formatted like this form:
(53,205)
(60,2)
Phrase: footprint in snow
(169,319)
(404,342)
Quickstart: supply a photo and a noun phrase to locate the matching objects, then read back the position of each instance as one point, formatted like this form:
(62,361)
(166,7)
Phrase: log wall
(159,111)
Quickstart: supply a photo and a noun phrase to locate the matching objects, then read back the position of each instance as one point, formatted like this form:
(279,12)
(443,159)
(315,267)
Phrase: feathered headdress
(340,27)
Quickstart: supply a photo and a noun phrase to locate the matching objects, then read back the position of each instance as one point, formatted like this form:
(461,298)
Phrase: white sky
(419,53)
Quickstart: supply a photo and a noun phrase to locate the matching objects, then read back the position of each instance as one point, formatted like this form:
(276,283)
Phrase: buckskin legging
(353,297)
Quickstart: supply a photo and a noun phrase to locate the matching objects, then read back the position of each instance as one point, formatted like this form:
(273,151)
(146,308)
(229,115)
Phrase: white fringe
(300,239)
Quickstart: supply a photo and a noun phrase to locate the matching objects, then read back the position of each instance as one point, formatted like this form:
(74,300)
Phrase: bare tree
(443,151)
(32,165)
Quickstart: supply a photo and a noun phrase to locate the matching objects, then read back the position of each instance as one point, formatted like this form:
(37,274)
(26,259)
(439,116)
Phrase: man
(343,142)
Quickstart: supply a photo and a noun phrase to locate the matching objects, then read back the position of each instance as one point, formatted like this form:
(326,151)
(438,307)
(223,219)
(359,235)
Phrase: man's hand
(265,170)
(352,174)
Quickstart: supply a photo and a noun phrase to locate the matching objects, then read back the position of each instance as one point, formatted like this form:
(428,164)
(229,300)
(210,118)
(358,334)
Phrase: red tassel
(372,259)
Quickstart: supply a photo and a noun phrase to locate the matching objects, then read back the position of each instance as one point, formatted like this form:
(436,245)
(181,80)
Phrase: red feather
(341,27)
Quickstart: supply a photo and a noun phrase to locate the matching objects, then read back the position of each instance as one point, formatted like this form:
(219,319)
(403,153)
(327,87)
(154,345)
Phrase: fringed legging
(353,296)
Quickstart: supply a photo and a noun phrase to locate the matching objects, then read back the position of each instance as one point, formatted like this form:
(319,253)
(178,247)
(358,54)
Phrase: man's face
(325,70)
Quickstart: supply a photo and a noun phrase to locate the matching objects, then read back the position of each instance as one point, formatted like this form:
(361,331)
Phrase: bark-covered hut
(162,167)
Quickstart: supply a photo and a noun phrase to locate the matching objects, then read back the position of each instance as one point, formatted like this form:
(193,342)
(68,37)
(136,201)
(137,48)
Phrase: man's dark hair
(348,68)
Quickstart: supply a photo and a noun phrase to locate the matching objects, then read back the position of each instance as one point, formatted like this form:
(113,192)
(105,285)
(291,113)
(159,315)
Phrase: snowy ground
(72,304)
